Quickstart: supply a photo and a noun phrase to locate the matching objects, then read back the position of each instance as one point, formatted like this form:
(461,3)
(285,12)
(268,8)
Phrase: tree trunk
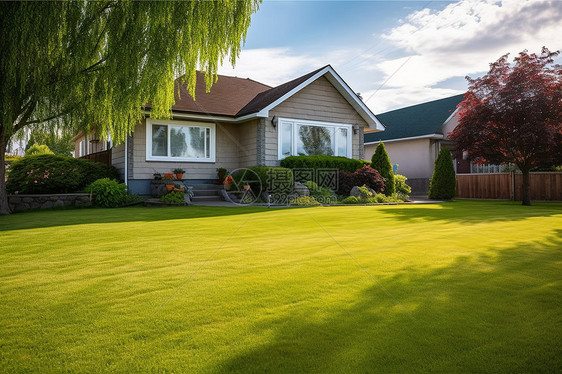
(4,207)
(526,192)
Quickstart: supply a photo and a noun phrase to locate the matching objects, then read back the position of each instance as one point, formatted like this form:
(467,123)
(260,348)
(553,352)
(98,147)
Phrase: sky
(394,53)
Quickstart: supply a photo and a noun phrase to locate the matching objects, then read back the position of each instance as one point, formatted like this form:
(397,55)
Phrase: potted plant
(221,173)
(157,176)
(179,173)
(169,177)
(228,182)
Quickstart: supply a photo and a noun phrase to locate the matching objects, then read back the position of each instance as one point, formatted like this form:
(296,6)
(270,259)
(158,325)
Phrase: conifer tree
(443,183)
(381,162)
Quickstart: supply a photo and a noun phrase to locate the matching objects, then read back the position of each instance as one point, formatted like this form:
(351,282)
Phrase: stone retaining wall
(19,203)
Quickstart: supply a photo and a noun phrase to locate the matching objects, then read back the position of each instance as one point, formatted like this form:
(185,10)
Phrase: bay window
(169,140)
(299,137)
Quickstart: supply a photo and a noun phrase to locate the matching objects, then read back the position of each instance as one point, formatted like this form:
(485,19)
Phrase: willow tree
(94,65)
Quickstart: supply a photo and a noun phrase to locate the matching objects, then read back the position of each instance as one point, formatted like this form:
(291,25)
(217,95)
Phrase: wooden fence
(508,186)
(104,157)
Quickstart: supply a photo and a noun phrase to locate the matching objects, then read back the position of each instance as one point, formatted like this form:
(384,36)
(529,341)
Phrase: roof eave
(428,136)
(211,117)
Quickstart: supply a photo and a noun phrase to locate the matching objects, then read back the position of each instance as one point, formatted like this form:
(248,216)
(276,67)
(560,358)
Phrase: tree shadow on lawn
(496,312)
(69,217)
(473,211)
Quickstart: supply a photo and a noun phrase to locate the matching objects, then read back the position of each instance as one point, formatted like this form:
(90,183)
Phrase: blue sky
(395,53)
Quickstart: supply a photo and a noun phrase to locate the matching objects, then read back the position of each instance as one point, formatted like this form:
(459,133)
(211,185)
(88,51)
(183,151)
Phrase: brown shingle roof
(265,98)
(227,96)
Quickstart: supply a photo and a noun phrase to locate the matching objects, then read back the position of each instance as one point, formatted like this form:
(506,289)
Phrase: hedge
(323,162)
(46,174)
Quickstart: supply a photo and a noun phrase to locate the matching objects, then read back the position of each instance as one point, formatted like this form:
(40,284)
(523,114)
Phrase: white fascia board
(430,136)
(448,119)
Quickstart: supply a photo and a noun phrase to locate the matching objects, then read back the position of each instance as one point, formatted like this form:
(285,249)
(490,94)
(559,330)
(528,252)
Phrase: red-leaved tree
(513,114)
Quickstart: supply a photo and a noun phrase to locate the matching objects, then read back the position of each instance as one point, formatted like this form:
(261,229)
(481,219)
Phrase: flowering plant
(228,180)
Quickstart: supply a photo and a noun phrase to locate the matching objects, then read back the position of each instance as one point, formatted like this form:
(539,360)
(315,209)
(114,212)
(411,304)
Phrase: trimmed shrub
(365,193)
(38,149)
(305,201)
(346,181)
(321,194)
(108,193)
(371,178)
(350,200)
(322,162)
(443,183)
(45,174)
(175,197)
(364,176)
(400,185)
(367,197)
(381,162)
(312,186)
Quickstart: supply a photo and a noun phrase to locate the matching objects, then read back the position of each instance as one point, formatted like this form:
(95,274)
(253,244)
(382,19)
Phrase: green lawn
(455,287)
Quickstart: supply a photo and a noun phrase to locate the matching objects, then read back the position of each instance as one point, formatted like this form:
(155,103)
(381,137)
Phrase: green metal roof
(416,120)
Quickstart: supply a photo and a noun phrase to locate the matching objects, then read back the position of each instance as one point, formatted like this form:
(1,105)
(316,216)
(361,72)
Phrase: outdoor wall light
(355,129)
(274,121)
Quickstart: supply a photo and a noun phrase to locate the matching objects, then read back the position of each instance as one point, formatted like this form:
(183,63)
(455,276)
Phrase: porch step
(196,198)
(206,186)
(206,192)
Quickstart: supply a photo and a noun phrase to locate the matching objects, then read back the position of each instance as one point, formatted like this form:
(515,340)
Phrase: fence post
(512,185)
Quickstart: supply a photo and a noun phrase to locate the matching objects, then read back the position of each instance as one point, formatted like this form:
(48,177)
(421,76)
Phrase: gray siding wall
(247,137)
(227,151)
(319,101)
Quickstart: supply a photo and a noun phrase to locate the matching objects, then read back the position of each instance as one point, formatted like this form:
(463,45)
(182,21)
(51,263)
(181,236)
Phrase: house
(414,136)
(242,123)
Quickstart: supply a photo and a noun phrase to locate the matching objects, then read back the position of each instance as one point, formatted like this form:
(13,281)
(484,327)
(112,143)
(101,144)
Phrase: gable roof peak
(267,100)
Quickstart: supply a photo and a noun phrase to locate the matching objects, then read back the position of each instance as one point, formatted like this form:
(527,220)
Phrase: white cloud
(271,66)
(464,37)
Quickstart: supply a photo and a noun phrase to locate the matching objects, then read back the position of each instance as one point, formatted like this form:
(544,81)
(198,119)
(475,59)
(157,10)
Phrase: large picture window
(298,137)
(180,141)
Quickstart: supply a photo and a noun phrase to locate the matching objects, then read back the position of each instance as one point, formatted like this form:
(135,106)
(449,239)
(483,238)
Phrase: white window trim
(150,122)
(295,122)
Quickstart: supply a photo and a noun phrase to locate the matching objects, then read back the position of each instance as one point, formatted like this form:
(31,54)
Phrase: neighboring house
(242,123)
(414,136)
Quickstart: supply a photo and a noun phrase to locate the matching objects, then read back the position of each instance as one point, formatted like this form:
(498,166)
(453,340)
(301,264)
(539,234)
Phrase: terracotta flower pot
(179,176)
(170,187)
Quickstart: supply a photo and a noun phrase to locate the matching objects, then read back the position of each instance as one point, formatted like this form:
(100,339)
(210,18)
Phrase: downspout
(126,163)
